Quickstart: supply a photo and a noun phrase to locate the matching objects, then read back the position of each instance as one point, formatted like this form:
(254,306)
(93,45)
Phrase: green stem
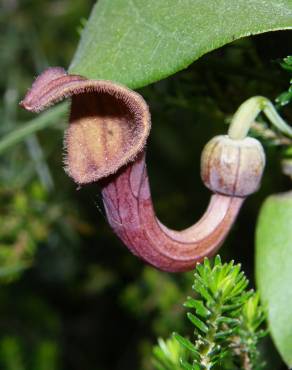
(47,119)
(206,359)
(248,112)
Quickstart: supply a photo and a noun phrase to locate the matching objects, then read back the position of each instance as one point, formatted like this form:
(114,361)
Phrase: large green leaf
(274,268)
(137,42)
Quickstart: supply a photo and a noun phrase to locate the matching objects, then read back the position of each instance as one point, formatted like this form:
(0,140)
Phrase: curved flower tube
(105,142)
(129,209)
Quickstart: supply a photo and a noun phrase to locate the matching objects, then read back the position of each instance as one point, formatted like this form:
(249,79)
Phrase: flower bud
(232,167)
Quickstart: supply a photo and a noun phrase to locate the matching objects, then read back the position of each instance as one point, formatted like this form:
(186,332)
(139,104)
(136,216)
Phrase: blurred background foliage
(71,296)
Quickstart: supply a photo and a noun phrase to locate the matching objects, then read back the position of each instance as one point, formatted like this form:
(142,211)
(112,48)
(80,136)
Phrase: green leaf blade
(140,42)
(273,268)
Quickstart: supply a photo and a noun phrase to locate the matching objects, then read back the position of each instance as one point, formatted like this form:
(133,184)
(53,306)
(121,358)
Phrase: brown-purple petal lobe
(109,123)
(40,86)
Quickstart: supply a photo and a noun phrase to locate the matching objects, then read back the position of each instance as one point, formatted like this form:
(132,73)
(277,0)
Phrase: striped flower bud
(232,167)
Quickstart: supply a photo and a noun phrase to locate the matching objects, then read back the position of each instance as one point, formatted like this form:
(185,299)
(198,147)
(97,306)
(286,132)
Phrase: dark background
(71,296)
